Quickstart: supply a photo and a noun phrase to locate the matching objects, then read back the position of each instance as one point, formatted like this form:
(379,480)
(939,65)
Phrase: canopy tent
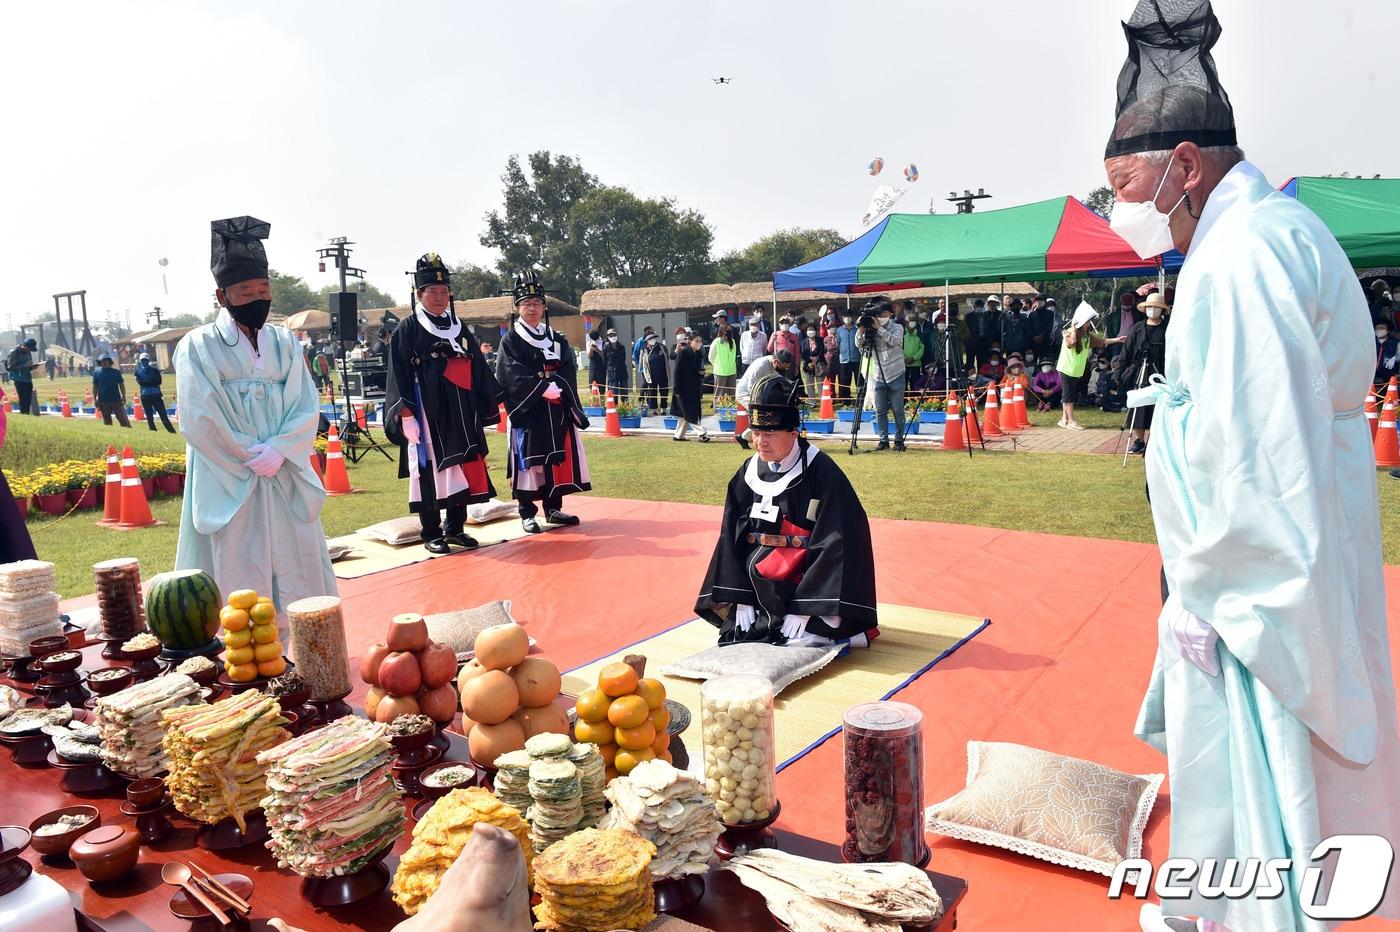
(1363,213)
(1057,238)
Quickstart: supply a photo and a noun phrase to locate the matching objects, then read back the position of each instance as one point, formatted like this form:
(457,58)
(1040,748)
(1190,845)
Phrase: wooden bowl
(437,792)
(203,677)
(405,743)
(144,794)
(13,840)
(61,661)
(106,853)
(105,686)
(58,845)
(144,654)
(42,647)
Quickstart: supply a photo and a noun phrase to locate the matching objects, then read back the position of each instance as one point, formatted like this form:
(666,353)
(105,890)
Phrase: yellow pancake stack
(595,880)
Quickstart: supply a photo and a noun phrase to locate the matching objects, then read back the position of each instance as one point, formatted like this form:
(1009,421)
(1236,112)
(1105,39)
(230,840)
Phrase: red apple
(399,674)
(408,632)
(369,663)
(439,704)
(439,665)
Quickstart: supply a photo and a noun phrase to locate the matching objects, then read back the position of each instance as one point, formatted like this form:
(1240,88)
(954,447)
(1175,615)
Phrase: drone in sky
(723,80)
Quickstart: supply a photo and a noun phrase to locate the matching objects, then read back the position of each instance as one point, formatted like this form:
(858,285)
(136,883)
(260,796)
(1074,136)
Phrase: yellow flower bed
(81,474)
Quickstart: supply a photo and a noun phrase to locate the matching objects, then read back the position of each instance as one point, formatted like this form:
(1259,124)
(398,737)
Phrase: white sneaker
(1062,423)
(1075,426)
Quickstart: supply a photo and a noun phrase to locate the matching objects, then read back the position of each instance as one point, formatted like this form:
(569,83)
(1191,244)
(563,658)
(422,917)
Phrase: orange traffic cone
(827,412)
(337,480)
(612,426)
(501,424)
(360,416)
(974,433)
(1387,448)
(1009,424)
(593,391)
(67,409)
(137,411)
(1372,415)
(136,511)
(1018,400)
(741,418)
(991,415)
(953,427)
(112,492)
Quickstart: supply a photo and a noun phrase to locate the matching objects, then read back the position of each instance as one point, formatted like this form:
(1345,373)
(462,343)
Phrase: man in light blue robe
(1272,693)
(248,410)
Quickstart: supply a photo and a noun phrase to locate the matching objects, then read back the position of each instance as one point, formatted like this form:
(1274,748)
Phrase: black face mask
(251,315)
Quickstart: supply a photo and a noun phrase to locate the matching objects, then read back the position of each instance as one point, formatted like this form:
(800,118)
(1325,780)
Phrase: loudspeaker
(345,319)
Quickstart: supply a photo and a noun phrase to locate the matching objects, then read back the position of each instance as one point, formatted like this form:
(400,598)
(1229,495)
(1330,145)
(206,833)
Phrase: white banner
(885,197)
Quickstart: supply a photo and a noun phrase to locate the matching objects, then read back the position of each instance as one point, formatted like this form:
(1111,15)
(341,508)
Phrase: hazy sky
(131,125)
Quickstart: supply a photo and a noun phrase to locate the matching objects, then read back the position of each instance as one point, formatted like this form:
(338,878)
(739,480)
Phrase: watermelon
(182,609)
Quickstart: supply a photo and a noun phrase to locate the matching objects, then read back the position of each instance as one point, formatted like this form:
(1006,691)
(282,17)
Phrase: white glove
(744,616)
(1195,639)
(794,626)
(553,392)
(1388,363)
(410,429)
(266,461)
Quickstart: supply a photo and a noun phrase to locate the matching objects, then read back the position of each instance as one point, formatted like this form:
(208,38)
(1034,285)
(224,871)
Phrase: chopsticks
(215,887)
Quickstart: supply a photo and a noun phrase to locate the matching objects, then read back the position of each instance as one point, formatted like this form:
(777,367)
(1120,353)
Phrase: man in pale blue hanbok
(248,410)
(1272,693)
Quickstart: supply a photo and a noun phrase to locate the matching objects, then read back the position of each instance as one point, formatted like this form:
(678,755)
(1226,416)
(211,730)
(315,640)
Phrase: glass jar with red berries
(884,755)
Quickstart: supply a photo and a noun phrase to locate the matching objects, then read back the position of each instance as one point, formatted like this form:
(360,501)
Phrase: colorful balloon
(911,172)
(876,165)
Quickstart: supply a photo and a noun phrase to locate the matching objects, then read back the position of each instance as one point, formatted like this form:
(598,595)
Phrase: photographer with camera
(880,339)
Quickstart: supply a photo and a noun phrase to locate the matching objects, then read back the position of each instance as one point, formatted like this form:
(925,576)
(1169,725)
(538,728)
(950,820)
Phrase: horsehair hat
(1168,89)
(774,403)
(431,270)
(236,252)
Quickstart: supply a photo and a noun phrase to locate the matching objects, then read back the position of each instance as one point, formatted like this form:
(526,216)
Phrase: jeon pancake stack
(213,751)
(512,782)
(331,802)
(442,834)
(595,880)
(558,807)
(28,605)
(130,721)
(593,781)
(669,808)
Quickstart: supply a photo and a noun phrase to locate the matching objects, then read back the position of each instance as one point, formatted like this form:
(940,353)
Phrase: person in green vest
(1078,342)
(913,351)
(724,360)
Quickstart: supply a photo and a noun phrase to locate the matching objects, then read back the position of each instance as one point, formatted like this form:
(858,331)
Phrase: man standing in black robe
(537,373)
(440,397)
(793,564)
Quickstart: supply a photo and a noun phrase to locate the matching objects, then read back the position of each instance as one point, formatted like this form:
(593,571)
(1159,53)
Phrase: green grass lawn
(1085,496)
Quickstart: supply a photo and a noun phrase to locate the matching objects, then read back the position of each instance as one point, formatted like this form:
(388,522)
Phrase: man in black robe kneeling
(793,564)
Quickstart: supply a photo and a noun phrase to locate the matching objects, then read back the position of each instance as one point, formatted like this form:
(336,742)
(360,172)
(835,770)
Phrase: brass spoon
(177,874)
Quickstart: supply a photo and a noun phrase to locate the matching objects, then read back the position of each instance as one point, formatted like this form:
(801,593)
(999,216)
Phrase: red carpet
(1062,665)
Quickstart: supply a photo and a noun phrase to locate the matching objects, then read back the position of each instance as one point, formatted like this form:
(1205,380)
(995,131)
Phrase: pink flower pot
(170,484)
(83,498)
(23,505)
(150,486)
(55,504)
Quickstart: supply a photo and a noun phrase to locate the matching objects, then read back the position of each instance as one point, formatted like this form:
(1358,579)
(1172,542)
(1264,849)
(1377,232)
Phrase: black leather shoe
(882,445)
(899,446)
(438,545)
(531,526)
(460,539)
(558,517)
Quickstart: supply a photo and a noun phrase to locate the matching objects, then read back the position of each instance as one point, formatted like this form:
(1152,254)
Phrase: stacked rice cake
(669,808)
(130,720)
(213,750)
(28,605)
(593,781)
(558,806)
(595,880)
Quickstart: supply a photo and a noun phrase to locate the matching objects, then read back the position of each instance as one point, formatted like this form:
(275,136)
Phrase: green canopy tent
(1363,213)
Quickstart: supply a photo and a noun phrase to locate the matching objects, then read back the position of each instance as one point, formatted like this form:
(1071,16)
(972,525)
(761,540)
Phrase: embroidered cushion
(1048,806)
(396,531)
(783,666)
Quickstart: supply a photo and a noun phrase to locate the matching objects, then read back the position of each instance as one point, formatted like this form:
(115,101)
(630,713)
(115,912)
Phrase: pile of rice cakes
(595,880)
(442,834)
(669,808)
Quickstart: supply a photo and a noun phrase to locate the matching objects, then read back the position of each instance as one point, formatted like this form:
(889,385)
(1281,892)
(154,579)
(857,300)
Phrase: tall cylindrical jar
(120,606)
(318,646)
(740,758)
(884,753)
